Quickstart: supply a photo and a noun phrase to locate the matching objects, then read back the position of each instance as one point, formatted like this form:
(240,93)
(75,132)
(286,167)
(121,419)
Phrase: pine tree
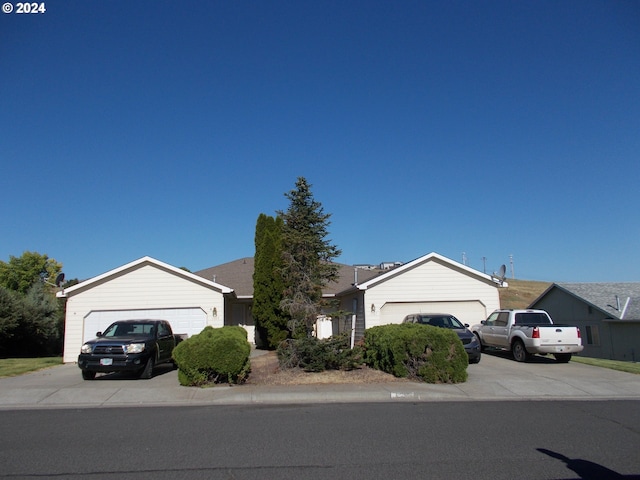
(307,257)
(271,321)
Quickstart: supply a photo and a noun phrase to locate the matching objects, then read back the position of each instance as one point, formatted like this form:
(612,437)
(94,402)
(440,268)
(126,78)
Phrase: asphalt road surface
(475,440)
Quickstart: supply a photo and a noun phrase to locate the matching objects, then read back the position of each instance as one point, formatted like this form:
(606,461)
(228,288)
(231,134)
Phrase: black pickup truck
(128,346)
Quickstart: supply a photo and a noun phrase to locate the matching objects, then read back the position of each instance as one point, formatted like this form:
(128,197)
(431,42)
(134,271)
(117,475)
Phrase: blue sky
(164,128)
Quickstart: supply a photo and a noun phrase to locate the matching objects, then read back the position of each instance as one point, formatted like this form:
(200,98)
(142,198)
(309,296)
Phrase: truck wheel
(519,352)
(562,357)
(88,375)
(147,371)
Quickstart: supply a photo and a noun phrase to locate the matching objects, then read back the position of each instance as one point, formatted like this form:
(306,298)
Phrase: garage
(143,289)
(471,311)
(189,321)
(429,284)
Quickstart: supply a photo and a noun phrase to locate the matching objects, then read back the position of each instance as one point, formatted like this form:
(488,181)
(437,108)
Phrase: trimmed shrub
(313,355)
(419,352)
(215,355)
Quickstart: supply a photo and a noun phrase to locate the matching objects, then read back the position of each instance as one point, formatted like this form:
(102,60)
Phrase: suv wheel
(519,352)
(562,357)
(147,371)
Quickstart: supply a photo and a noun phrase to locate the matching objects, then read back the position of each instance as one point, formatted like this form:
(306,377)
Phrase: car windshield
(444,321)
(124,329)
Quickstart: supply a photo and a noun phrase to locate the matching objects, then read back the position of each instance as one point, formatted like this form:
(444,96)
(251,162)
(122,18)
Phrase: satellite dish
(500,276)
(59,279)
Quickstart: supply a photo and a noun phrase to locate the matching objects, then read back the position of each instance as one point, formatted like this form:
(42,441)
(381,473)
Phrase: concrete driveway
(496,377)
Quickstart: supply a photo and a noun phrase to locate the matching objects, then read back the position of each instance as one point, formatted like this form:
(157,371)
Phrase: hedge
(419,352)
(215,355)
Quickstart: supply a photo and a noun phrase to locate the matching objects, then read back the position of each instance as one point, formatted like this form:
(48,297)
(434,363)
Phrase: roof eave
(152,261)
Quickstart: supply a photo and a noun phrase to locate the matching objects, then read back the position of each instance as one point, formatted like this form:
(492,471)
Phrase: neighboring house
(145,288)
(608,315)
(223,295)
(431,283)
(238,275)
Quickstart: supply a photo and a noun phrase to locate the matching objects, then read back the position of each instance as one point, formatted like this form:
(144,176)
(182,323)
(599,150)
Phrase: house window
(593,335)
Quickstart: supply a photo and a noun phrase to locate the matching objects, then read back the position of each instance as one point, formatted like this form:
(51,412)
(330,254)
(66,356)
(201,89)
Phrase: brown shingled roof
(238,275)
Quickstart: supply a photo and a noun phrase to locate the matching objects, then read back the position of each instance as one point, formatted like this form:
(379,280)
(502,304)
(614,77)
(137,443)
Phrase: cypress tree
(270,320)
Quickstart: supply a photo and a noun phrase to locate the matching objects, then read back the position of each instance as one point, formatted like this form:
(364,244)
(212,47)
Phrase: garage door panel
(189,321)
(470,312)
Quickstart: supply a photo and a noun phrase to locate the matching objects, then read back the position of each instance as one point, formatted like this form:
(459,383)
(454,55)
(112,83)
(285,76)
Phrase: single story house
(223,295)
(145,288)
(431,283)
(608,315)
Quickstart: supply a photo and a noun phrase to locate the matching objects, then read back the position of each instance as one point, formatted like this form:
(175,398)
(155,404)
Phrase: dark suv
(445,320)
(128,346)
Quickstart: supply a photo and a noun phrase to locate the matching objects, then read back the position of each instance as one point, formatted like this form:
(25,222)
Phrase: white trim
(140,262)
(423,259)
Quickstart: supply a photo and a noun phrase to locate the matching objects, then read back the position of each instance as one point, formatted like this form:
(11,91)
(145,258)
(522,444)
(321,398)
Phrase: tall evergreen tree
(307,256)
(271,321)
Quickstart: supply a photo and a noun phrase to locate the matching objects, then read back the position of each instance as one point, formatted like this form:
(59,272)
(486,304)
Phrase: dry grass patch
(520,293)
(265,370)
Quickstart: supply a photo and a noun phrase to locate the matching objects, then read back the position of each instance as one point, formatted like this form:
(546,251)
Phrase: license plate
(106,361)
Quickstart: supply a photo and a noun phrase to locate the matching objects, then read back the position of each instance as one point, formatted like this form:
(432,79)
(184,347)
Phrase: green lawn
(10,367)
(630,367)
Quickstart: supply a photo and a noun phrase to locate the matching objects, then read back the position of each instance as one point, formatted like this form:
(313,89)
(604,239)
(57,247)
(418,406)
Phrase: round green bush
(215,355)
(421,352)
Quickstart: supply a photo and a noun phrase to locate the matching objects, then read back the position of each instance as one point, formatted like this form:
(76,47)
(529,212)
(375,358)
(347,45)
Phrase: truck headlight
(134,348)
(86,348)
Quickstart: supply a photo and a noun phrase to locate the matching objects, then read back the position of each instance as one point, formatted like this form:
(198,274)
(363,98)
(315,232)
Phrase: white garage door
(188,321)
(470,312)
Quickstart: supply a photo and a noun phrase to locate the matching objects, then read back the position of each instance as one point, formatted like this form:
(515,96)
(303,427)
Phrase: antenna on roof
(617,307)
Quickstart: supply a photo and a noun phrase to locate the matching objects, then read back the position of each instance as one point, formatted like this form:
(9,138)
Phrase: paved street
(524,440)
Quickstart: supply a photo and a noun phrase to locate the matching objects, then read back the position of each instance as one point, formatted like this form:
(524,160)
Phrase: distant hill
(520,293)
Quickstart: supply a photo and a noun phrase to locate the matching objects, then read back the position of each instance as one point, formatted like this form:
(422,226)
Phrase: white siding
(431,281)
(145,287)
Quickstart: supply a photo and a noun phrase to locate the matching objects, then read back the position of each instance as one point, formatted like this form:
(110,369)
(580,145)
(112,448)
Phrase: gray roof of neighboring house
(238,275)
(607,296)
